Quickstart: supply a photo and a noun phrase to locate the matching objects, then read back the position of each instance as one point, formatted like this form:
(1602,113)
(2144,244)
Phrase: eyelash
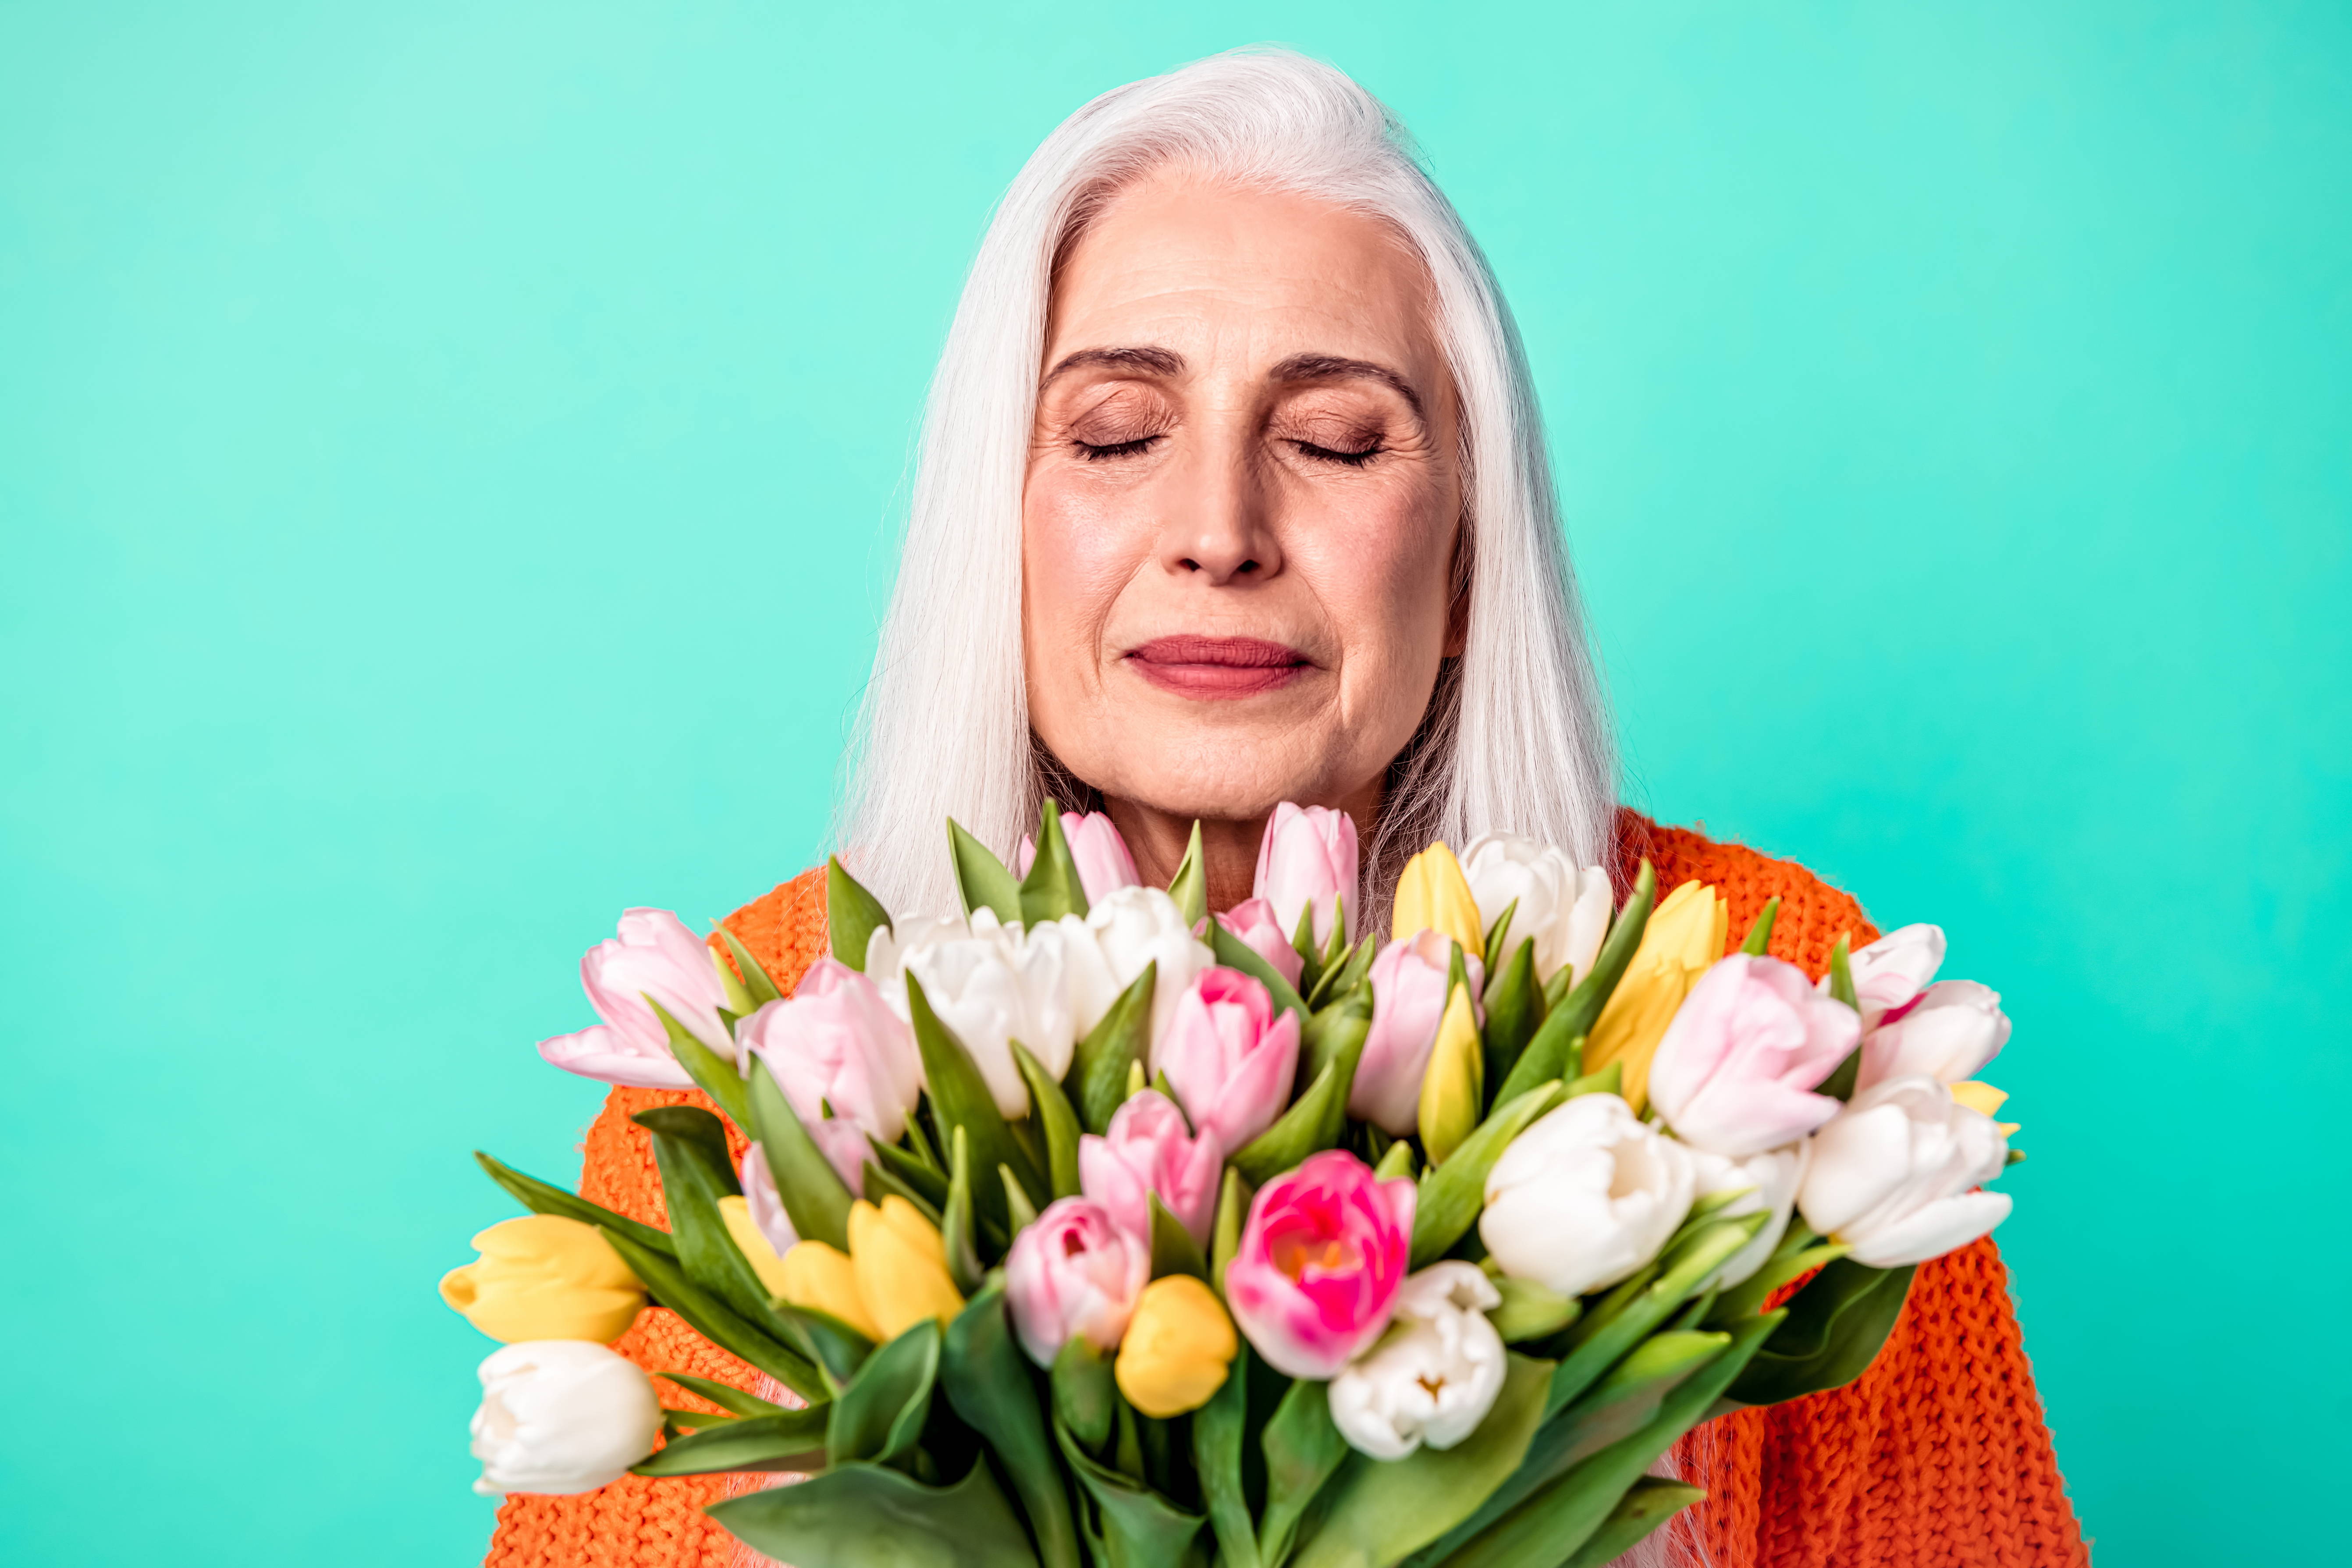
(1094,454)
(1353,459)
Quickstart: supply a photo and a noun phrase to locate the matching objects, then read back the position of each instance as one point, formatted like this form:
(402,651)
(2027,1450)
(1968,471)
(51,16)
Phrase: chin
(1219,776)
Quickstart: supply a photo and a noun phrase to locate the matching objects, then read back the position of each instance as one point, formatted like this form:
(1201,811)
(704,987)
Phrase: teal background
(448,455)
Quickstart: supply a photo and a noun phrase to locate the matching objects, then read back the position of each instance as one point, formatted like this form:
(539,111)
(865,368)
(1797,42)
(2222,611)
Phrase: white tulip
(1894,1176)
(1565,911)
(561,1417)
(1770,1181)
(1585,1196)
(1956,1027)
(1138,926)
(1893,970)
(1432,1378)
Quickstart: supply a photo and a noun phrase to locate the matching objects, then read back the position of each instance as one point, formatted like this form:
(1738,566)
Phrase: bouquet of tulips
(1081,1228)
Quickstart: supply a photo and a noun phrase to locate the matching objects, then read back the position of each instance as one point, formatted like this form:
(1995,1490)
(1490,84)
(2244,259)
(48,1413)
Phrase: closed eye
(1353,459)
(1094,454)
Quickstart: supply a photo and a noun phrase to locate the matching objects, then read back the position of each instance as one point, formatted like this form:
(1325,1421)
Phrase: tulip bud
(1178,1349)
(1890,973)
(1685,934)
(1136,928)
(1432,1378)
(1770,1181)
(561,1417)
(1098,851)
(1252,920)
(654,958)
(1953,1029)
(821,1276)
(1073,1270)
(1229,1056)
(1563,910)
(1307,857)
(901,1264)
(1586,1196)
(835,1044)
(1433,895)
(994,984)
(542,1276)
(1895,1177)
(1735,1070)
(1452,1089)
(1147,1149)
(1409,1003)
(1320,1259)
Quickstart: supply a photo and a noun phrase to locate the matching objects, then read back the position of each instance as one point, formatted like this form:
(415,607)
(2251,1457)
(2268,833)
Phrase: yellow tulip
(1685,936)
(1433,895)
(1452,1085)
(544,1277)
(1983,1097)
(1179,1349)
(752,1242)
(902,1266)
(821,1276)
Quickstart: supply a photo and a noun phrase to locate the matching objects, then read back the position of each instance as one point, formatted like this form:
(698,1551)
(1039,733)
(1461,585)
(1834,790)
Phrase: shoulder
(1813,914)
(784,928)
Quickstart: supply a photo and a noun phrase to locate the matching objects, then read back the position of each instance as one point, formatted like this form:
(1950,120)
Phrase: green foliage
(711,1318)
(1052,888)
(1127,1523)
(1529,1311)
(837,1520)
(789,1440)
(1220,1428)
(713,1073)
(1840,1084)
(1049,1109)
(1515,1011)
(1233,952)
(879,1416)
(1225,1234)
(726,1395)
(1190,886)
(1173,1250)
(757,983)
(543,1197)
(1625,1318)
(1114,1047)
(813,1194)
(1086,1399)
(1836,1325)
(852,915)
(989,1384)
(980,877)
(1760,935)
(960,1098)
(1313,1123)
(1303,1450)
(1451,1193)
(1497,935)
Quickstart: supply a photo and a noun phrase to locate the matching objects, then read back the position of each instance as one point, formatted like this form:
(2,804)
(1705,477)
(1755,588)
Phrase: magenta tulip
(1073,1270)
(1321,1258)
(1252,920)
(1229,1056)
(1735,1072)
(1149,1150)
(655,956)
(1308,857)
(1408,1003)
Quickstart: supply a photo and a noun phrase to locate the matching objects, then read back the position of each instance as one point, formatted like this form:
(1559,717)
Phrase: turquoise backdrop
(448,460)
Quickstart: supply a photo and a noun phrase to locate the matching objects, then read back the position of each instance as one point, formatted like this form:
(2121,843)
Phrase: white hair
(1515,737)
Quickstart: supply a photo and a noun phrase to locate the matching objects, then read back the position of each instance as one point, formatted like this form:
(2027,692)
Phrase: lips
(1217,667)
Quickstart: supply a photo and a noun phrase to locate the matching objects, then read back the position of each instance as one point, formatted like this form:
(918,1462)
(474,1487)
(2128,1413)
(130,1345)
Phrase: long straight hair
(1514,738)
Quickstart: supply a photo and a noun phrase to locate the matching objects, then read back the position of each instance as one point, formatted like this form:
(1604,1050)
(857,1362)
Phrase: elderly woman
(1233,492)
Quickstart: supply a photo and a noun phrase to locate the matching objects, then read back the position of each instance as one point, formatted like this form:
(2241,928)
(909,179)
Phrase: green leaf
(880,1415)
(1344,973)
(542,1197)
(1233,952)
(1610,1079)
(1226,1234)
(813,1191)
(1529,1311)
(1303,1450)
(1835,1326)
(713,1073)
(1647,1504)
(956,1228)
(726,1395)
(679,1423)
(1339,1027)
(836,1349)
(1173,1250)
(1607,1333)
(867,1516)
(1840,1084)
(1052,888)
(1190,888)
(787,1441)
(1379,1513)
(1624,1401)
(1050,1108)
(988,1383)
(1218,1429)
(981,876)
(1496,935)
(756,982)
(928,1185)
(1396,1160)
(1098,1068)
(690,1150)
(1800,1252)
(1453,1194)
(1085,1396)
(1555,1052)
(960,1098)
(852,915)
(1571,1018)
(1018,1211)
(1313,1123)
(1139,1527)
(711,1318)
(881,1184)
(1514,1014)
(1760,935)
(1302,942)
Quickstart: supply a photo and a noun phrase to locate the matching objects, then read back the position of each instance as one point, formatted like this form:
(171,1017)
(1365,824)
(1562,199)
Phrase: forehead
(1221,269)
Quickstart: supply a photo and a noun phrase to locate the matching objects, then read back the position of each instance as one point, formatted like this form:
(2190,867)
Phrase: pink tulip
(766,1204)
(835,1044)
(1104,864)
(1252,920)
(1321,1258)
(653,956)
(1890,973)
(1308,856)
(1229,1056)
(1954,1029)
(1149,1150)
(1735,1072)
(1408,1003)
(1073,1270)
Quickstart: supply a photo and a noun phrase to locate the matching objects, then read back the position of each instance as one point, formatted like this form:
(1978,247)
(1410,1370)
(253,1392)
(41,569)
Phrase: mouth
(1217,667)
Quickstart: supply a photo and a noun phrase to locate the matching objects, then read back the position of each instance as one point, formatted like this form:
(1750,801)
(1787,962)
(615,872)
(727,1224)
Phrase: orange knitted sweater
(1935,1458)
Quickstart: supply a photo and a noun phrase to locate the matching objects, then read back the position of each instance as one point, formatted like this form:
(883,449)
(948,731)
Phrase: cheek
(1383,571)
(1075,558)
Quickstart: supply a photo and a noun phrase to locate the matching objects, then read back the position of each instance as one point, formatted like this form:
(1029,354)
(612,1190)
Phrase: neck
(1229,845)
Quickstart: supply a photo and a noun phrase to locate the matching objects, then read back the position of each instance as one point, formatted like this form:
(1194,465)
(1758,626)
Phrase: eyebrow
(1331,367)
(1156,361)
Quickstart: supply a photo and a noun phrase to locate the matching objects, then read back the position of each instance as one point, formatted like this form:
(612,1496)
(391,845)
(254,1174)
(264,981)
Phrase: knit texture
(1935,1458)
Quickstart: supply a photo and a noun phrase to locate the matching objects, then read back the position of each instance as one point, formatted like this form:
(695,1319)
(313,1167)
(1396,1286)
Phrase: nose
(1218,516)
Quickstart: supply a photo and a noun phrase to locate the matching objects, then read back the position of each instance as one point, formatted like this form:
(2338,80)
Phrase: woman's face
(1242,504)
